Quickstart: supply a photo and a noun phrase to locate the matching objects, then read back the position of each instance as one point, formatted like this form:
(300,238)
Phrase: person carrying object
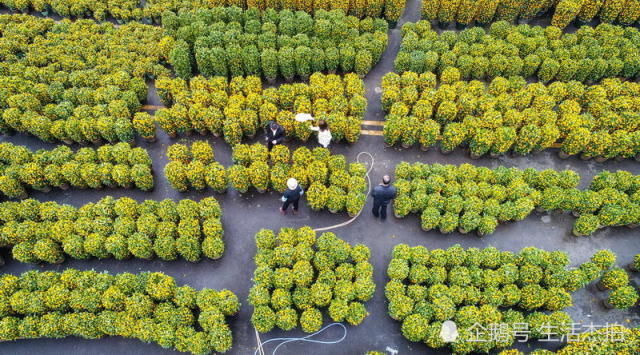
(382,196)
(324,134)
(291,196)
(274,134)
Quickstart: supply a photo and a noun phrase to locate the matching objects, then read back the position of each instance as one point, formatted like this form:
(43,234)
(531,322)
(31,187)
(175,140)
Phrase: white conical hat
(292,183)
(304,117)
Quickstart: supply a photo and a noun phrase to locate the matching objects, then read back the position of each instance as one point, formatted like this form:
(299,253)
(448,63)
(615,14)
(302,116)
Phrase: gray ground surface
(245,215)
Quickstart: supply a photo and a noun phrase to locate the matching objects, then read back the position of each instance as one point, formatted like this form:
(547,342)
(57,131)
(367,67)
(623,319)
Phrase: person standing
(324,134)
(382,195)
(291,196)
(275,134)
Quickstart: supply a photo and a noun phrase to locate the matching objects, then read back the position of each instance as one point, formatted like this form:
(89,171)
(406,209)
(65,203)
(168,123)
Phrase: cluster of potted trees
(623,12)
(610,339)
(467,12)
(100,10)
(194,168)
(389,9)
(622,295)
(612,200)
(112,228)
(329,181)
(298,274)
(148,306)
(240,107)
(545,53)
(116,165)
(469,198)
(477,288)
(229,41)
(54,92)
(615,279)
(127,10)
(509,115)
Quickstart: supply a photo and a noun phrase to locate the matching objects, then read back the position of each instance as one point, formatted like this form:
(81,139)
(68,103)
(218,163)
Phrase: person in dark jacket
(275,134)
(382,195)
(291,196)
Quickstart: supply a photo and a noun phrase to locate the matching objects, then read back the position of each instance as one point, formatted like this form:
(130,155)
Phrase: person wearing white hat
(291,196)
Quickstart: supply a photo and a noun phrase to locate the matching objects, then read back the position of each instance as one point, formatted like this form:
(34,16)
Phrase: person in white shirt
(324,134)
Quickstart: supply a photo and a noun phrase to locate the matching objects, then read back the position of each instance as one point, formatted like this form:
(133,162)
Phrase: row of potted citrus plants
(147,306)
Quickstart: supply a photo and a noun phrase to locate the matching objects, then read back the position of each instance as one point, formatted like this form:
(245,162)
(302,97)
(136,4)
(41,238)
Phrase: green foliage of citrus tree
(112,228)
(195,168)
(511,115)
(90,101)
(475,288)
(283,43)
(468,198)
(598,342)
(116,165)
(298,274)
(155,10)
(563,12)
(611,200)
(148,306)
(521,50)
(241,107)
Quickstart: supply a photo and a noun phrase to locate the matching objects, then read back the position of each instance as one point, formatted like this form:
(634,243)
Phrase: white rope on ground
(304,339)
(260,349)
(367,197)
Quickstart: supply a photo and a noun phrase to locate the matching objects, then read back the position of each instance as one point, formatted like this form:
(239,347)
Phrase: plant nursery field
(139,205)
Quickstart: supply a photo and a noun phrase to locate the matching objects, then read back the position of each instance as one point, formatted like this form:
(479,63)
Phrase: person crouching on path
(291,196)
(275,134)
(382,195)
(324,134)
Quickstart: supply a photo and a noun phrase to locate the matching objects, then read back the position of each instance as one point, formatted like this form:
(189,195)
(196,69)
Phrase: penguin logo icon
(449,332)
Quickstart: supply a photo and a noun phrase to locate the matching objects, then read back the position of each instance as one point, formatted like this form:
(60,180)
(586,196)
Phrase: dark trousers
(379,210)
(286,204)
(270,145)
